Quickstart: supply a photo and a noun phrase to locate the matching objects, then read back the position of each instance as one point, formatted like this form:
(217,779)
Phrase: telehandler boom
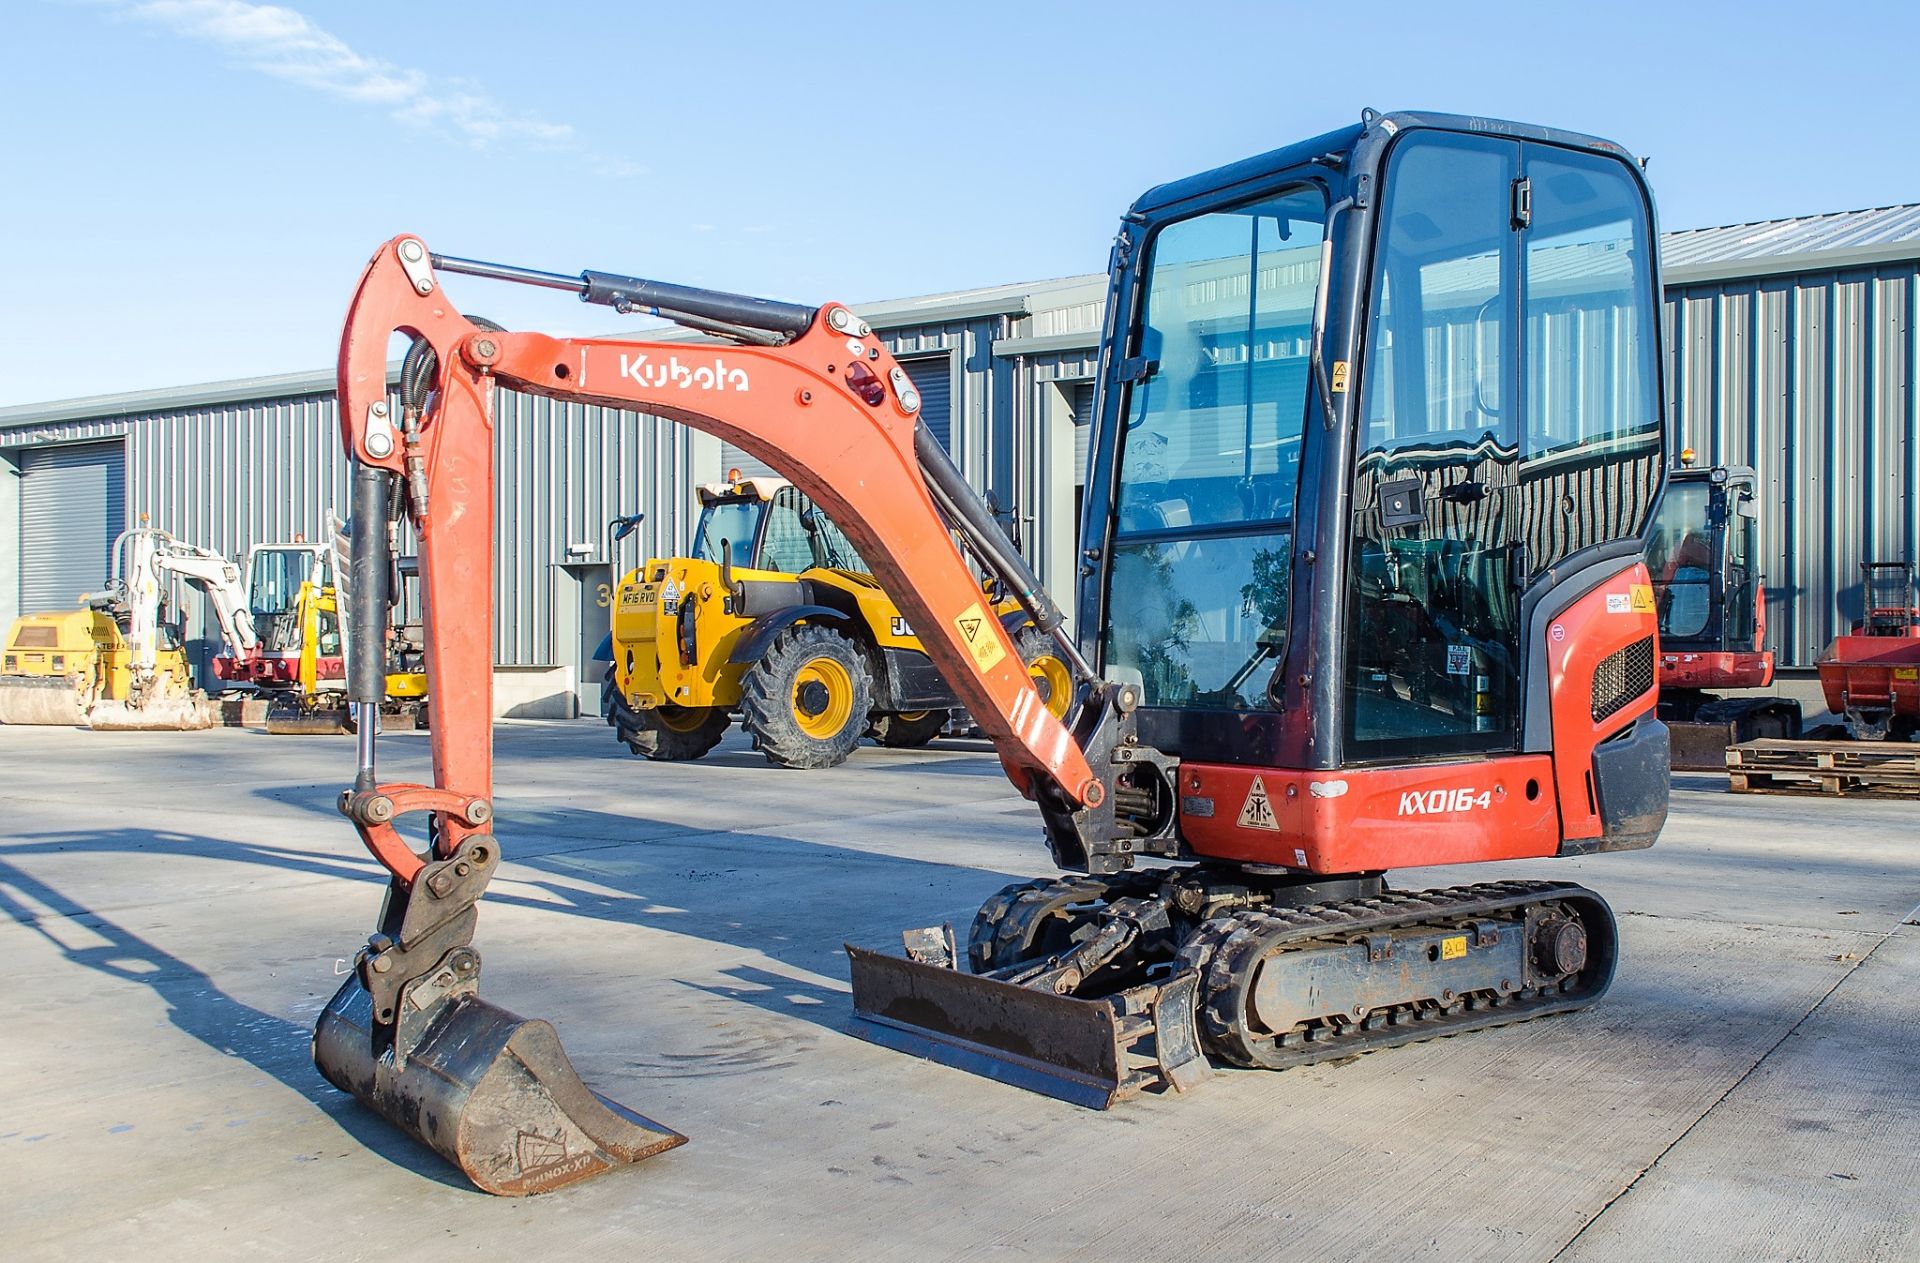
(1378,439)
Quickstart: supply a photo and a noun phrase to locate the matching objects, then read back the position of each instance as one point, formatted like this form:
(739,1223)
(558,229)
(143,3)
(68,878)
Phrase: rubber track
(1006,921)
(1227,952)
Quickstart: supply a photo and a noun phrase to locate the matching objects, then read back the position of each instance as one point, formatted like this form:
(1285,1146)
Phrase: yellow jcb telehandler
(773,616)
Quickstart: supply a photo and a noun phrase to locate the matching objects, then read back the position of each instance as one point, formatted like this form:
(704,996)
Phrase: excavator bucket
(492,1093)
(44,700)
(1091,1052)
(160,714)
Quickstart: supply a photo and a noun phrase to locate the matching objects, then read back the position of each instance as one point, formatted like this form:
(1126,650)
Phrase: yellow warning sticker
(1906,673)
(1339,384)
(976,632)
(1643,598)
(1257,811)
(1453,948)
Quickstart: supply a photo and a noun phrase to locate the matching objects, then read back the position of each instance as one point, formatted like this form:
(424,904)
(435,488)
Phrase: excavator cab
(276,573)
(1703,559)
(1378,439)
(1379,434)
(1700,555)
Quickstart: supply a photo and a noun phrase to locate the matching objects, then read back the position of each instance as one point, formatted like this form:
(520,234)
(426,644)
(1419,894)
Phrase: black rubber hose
(421,367)
(983,533)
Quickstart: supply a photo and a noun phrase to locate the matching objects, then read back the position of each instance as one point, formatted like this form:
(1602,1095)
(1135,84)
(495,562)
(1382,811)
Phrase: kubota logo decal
(714,376)
(1433,802)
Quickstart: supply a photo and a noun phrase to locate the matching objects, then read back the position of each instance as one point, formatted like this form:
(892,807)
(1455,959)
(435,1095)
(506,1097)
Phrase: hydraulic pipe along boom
(661,298)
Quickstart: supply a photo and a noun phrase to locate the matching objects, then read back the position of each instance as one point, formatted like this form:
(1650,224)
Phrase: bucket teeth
(492,1093)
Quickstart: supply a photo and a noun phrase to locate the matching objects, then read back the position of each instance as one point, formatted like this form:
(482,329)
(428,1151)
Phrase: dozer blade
(492,1093)
(1094,1053)
(29,699)
(168,714)
(285,720)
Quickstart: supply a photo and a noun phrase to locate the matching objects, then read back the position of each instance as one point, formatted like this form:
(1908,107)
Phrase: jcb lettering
(1434,802)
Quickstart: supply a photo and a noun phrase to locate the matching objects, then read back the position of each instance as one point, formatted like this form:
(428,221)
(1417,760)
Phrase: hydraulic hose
(422,366)
(973,519)
(976,522)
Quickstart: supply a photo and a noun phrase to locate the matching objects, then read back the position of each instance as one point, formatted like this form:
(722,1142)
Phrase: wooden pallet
(1887,769)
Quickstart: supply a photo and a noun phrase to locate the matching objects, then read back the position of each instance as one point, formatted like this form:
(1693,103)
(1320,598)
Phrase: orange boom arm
(832,410)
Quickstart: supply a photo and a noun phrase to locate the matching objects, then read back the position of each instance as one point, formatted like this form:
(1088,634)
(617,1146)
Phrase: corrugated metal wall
(230,476)
(1809,378)
(564,470)
(233,475)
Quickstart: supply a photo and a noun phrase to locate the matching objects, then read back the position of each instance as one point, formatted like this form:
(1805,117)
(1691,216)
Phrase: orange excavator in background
(1712,605)
(1361,587)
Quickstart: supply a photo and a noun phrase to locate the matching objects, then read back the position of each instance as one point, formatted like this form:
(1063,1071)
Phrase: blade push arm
(830,408)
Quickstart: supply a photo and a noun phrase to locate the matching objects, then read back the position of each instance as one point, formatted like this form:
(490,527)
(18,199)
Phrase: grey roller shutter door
(933,378)
(73,504)
(1081,395)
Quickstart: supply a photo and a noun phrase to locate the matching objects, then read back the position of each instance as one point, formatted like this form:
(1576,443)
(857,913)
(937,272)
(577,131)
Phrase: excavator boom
(810,390)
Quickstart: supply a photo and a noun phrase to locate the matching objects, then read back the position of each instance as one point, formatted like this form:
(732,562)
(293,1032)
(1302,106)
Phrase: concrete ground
(179,907)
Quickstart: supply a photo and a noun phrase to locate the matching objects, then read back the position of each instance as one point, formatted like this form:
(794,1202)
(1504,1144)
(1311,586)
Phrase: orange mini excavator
(1379,435)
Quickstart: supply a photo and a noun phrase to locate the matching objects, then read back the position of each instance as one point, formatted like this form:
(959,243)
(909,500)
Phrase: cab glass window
(1510,419)
(728,521)
(1680,561)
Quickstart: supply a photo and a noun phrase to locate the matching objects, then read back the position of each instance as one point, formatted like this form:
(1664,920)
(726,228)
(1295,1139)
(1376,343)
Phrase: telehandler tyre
(1051,676)
(667,734)
(806,700)
(906,730)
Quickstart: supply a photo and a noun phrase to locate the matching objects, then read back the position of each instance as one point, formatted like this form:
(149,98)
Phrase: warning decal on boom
(978,637)
(1257,812)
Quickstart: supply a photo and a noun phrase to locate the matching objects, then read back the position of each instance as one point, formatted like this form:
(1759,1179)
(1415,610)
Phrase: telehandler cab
(1379,434)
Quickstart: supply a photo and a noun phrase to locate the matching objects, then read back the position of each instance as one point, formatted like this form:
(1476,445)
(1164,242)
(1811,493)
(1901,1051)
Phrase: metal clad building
(1794,351)
(1794,347)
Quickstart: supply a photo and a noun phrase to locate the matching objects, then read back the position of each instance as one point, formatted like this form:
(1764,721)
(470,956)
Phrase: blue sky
(194,184)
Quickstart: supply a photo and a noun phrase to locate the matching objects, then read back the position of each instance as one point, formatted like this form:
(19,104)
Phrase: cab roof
(761,487)
(1342,141)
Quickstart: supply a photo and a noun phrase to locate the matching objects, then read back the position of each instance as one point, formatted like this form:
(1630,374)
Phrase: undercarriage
(1093,989)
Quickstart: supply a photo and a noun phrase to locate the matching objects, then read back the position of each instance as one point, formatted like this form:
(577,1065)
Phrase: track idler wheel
(491,1092)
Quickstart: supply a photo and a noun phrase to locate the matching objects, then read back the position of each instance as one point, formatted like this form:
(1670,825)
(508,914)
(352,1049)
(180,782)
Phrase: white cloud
(284,43)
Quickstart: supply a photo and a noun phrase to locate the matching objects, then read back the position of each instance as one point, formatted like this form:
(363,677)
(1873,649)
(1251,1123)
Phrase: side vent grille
(1622,676)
